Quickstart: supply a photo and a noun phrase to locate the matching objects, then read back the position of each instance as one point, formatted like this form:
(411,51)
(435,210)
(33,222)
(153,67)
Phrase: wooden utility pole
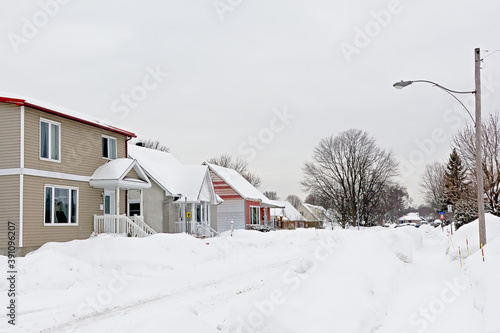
(479,162)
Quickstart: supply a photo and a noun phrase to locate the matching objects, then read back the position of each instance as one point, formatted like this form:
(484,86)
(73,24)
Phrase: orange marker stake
(467,241)
(482,251)
(460,256)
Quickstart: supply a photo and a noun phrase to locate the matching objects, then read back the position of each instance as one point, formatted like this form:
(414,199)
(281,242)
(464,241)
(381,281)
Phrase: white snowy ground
(375,280)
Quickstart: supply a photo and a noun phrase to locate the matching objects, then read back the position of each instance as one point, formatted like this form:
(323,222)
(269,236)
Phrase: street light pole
(479,162)
(477,122)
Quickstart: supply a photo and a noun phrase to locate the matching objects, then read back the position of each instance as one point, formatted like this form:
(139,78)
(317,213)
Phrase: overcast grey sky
(260,80)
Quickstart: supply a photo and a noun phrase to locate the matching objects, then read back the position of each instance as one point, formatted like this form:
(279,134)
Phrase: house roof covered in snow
(411,217)
(289,212)
(60,111)
(189,183)
(238,183)
(114,174)
(317,212)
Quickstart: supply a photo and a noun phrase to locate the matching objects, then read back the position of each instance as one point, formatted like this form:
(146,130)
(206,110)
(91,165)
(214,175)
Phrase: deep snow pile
(375,280)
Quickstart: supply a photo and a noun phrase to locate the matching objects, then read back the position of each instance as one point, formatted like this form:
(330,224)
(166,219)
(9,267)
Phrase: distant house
(243,203)
(287,217)
(181,198)
(58,170)
(411,218)
(314,215)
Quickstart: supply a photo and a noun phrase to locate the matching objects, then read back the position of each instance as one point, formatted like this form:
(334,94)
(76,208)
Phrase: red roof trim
(20,102)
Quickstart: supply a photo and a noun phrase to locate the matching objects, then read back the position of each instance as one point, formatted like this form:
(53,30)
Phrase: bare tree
(271,195)
(252,178)
(350,171)
(294,200)
(432,184)
(318,199)
(154,144)
(237,164)
(465,144)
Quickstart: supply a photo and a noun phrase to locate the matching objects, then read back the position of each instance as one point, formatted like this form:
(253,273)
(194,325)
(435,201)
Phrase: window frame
(70,201)
(108,138)
(257,208)
(49,159)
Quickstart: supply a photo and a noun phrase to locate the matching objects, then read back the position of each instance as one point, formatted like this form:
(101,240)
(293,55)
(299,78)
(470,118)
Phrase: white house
(181,198)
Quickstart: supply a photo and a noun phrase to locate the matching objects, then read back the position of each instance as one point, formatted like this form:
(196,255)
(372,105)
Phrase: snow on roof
(240,184)
(411,217)
(173,176)
(315,210)
(114,169)
(114,174)
(60,111)
(288,211)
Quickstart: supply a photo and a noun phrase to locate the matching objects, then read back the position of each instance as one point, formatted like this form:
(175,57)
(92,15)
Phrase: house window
(61,205)
(108,147)
(254,215)
(134,208)
(50,140)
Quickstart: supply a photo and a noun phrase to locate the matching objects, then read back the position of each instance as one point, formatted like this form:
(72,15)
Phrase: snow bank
(353,277)
(470,231)
(375,280)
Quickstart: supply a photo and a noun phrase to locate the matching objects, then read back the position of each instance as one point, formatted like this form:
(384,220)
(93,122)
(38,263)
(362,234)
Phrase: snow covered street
(375,280)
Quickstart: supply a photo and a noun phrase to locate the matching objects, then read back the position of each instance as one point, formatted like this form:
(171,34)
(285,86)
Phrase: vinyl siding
(153,207)
(9,207)
(222,189)
(231,210)
(132,174)
(81,145)
(10,135)
(36,233)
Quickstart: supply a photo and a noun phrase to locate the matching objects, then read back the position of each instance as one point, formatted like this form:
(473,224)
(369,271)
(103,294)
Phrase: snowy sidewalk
(375,280)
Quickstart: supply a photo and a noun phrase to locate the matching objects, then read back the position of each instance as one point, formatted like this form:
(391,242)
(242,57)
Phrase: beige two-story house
(59,170)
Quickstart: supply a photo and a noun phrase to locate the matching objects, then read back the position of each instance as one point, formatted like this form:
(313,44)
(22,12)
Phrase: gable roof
(315,211)
(189,183)
(287,211)
(114,174)
(411,217)
(62,112)
(238,183)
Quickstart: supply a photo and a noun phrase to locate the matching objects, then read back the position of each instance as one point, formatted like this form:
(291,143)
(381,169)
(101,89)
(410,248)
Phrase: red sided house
(243,203)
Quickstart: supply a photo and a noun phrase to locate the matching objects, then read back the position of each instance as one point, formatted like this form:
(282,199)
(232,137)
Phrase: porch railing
(122,224)
(139,220)
(198,229)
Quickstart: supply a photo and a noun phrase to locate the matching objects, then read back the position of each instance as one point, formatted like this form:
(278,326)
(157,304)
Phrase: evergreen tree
(457,191)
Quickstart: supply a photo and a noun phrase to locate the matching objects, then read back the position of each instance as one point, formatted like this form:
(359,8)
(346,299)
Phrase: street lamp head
(402,84)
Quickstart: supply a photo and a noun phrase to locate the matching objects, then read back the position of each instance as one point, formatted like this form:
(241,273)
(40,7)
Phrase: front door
(109,202)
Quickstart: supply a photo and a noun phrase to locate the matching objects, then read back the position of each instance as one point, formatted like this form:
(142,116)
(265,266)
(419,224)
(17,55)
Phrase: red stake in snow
(467,241)
(482,251)
(460,256)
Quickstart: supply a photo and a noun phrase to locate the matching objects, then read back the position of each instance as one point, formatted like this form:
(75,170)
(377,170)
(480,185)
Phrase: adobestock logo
(31,28)
(453,119)
(223,6)
(363,37)
(424,316)
(291,280)
(139,92)
(253,144)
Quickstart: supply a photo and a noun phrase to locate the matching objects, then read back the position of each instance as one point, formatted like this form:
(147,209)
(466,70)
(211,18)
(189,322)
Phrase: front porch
(132,226)
(194,219)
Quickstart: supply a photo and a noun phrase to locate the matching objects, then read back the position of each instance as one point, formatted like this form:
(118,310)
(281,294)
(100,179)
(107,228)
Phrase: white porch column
(142,202)
(117,201)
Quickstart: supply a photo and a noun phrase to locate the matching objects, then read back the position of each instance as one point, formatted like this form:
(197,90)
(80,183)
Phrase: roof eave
(20,102)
